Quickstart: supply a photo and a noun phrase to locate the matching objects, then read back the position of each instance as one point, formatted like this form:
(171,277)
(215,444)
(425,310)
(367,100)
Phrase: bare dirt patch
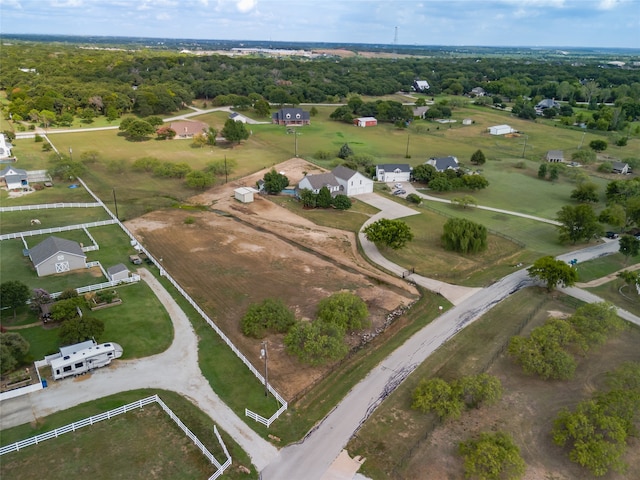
(228,262)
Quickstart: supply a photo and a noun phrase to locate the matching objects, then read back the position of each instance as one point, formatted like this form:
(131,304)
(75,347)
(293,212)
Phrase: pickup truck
(135,259)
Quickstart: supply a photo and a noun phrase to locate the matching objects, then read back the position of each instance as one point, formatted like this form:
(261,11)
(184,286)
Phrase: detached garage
(365,122)
(57,255)
(244,194)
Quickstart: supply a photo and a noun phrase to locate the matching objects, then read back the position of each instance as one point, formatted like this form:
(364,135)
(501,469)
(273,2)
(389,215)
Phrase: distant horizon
(492,23)
(7,35)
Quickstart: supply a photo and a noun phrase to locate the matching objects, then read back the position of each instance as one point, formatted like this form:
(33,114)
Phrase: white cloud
(245,6)
(67,3)
(11,3)
(608,4)
(163,16)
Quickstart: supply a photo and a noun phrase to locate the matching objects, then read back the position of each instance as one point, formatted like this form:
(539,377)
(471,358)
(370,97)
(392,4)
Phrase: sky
(559,23)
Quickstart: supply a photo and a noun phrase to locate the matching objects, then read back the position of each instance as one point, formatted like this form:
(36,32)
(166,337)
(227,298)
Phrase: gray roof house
(14,178)
(291,116)
(352,182)
(547,103)
(118,272)
(419,112)
(57,255)
(319,180)
(556,156)
(443,163)
(478,91)
(393,172)
(620,167)
(420,85)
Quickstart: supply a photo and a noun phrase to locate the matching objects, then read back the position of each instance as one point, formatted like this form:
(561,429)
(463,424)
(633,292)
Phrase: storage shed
(501,130)
(57,255)
(118,272)
(244,194)
(365,122)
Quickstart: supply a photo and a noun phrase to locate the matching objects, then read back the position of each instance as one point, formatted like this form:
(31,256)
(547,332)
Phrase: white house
(352,182)
(14,178)
(393,172)
(365,122)
(244,194)
(5,148)
(501,130)
(420,85)
(317,181)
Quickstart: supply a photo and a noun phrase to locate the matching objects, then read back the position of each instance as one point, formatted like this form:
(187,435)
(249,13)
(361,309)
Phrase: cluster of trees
(383,110)
(549,350)
(315,342)
(323,339)
(596,431)
(449,399)
(323,199)
(75,83)
(492,456)
(275,182)
(13,351)
(389,233)
(449,179)
(464,236)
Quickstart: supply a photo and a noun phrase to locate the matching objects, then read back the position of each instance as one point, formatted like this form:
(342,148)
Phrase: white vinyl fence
(45,231)
(221,467)
(44,206)
(234,349)
(99,286)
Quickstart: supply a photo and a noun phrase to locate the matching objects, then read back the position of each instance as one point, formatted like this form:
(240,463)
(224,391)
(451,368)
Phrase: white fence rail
(16,447)
(99,286)
(45,231)
(44,206)
(234,349)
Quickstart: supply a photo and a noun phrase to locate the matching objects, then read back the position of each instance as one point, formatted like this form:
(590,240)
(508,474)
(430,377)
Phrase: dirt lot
(227,263)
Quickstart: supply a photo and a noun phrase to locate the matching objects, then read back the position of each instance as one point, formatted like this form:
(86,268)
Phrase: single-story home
(443,163)
(420,85)
(420,112)
(317,181)
(365,122)
(5,147)
(478,91)
(393,172)
(238,117)
(620,167)
(57,255)
(352,182)
(547,103)
(555,156)
(501,130)
(188,128)
(291,116)
(118,272)
(14,178)
(244,194)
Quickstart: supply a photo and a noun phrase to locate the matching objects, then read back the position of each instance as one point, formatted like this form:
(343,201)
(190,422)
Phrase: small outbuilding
(118,272)
(14,178)
(555,156)
(620,167)
(365,122)
(501,130)
(467,121)
(244,194)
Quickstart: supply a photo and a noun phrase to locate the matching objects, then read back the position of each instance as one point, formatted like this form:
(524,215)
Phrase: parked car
(398,185)
(611,235)
(135,259)
(399,192)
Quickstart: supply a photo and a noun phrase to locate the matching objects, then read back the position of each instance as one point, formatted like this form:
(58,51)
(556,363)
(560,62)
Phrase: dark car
(399,192)
(611,235)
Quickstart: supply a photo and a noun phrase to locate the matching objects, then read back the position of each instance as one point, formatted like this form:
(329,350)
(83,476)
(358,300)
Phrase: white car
(398,185)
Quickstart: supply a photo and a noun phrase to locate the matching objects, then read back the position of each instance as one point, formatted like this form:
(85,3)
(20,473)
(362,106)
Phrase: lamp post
(263,354)
(70,154)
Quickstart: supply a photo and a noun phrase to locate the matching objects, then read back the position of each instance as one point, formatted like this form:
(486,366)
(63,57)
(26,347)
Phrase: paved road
(311,458)
(175,369)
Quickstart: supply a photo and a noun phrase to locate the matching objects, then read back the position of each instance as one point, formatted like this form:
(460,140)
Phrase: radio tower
(395,43)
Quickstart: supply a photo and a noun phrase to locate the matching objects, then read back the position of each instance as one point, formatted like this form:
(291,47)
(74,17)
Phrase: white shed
(118,272)
(501,130)
(467,121)
(244,194)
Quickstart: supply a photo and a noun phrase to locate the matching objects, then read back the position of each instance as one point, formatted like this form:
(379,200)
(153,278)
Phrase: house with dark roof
(443,163)
(478,92)
(620,167)
(14,178)
(291,116)
(546,103)
(317,181)
(393,172)
(57,255)
(352,182)
(118,272)
(420,85)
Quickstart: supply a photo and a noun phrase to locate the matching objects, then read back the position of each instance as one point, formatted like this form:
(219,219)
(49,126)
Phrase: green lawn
(157,446)
(20,221)
(620,294)
(603,266)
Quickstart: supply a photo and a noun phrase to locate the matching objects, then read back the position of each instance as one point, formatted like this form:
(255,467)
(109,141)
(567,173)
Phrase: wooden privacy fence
(72,427)
(234,349)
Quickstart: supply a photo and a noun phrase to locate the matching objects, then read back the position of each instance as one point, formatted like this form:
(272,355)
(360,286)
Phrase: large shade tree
(578,222)
(390,233)
(14,294)
(553,272)
(464,236)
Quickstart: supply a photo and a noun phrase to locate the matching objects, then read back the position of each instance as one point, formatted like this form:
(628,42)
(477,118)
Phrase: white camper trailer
(82,357)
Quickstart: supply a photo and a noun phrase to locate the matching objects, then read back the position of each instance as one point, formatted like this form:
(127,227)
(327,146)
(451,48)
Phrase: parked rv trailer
(75,362)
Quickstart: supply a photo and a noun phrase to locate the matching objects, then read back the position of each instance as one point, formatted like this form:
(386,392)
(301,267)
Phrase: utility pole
(263,354)
(115,201)
(582,140)
(295,142)
(525,145)
(407,154)
(70,154)
(226,177)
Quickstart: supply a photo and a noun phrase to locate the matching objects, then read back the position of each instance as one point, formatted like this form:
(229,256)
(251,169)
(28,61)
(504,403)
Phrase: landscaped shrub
(272,315)
(414,198)
(344,309)
(341,202)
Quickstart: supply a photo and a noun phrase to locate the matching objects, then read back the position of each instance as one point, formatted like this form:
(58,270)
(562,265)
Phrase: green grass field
(140,444)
